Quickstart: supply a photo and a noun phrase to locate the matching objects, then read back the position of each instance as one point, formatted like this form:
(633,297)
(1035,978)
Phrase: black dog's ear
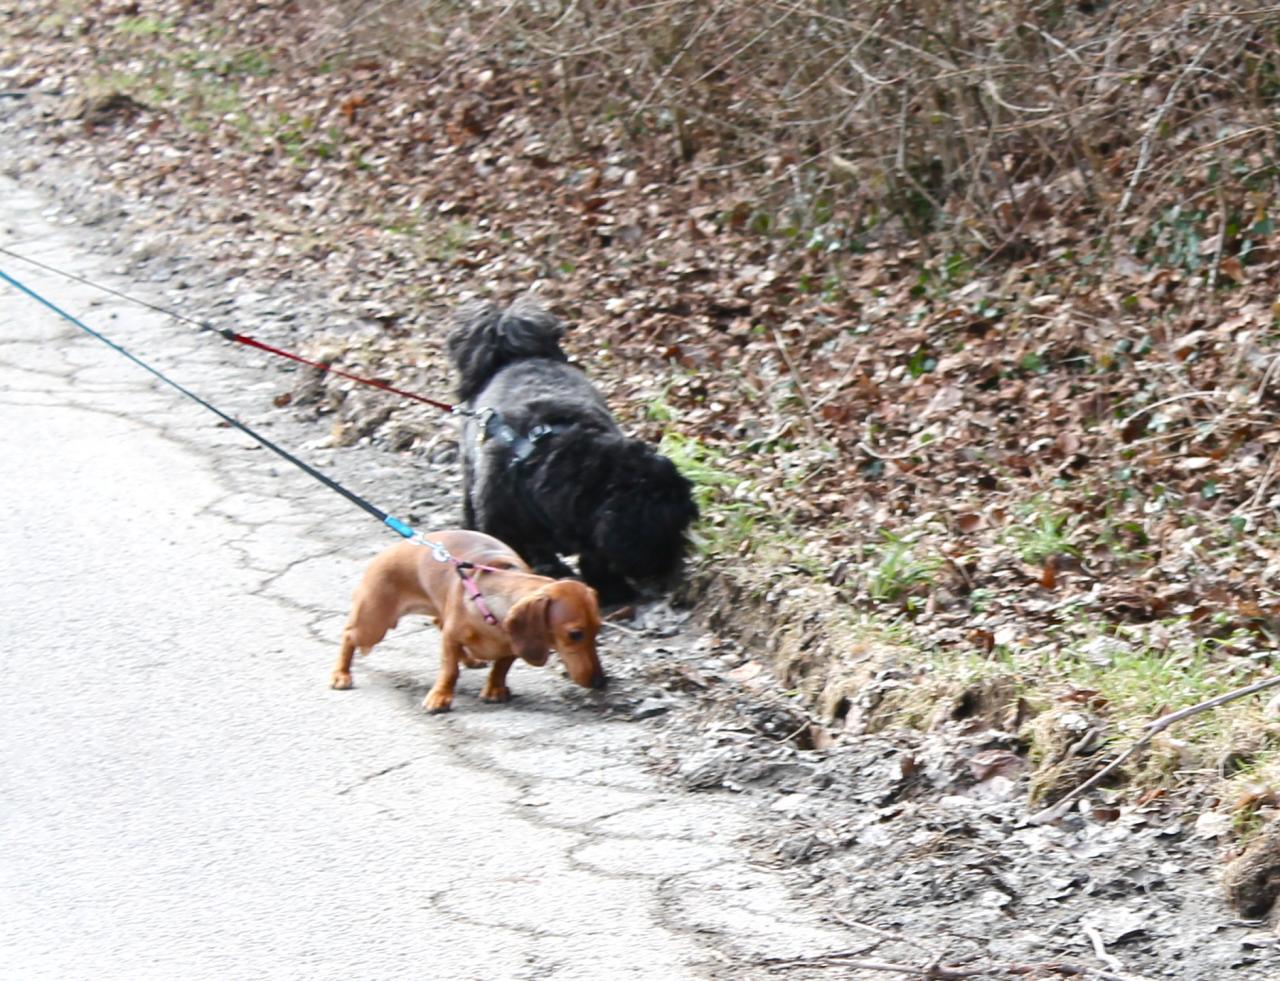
(526,625)
(486,338)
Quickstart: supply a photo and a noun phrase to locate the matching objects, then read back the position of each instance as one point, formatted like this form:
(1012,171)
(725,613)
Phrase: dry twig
(1100,949)
(802,390)
(935,971)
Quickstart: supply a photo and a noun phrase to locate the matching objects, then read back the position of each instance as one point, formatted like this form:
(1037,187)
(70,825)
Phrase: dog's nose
(598,680)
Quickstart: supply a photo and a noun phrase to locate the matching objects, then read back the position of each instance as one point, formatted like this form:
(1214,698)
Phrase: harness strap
(460,566)
(473,592)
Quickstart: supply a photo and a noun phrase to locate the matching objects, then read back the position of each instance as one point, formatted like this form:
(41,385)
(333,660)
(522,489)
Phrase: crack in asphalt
(374,776)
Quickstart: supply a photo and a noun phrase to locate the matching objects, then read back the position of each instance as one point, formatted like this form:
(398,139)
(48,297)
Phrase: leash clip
(484,417)
(438,551)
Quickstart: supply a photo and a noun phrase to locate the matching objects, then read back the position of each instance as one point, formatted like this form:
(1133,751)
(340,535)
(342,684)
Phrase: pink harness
(442,554)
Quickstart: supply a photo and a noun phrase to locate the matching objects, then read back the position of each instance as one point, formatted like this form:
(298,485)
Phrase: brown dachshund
(505,612)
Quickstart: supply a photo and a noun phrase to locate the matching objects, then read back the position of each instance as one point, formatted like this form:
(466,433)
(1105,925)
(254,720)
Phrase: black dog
(547,470)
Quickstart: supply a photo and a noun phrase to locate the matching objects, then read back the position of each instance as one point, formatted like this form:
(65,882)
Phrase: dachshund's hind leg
(368,624)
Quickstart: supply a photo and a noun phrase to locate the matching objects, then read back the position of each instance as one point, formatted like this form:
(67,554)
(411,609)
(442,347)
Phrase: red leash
(250,342)
(231,335)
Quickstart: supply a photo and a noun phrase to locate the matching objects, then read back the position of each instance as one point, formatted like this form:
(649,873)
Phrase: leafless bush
(974,124)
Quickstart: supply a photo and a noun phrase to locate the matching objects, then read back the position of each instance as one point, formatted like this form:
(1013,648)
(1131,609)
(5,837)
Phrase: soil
(918,839)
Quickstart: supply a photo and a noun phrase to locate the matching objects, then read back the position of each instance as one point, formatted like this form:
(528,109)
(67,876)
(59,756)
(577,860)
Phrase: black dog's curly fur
(583,488)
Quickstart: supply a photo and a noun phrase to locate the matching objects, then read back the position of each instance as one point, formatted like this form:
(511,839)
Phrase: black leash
(493,426)
(98,286)
(523,446)
(395,524)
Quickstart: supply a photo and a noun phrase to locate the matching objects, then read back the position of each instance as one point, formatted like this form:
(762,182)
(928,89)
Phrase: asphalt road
(181,794)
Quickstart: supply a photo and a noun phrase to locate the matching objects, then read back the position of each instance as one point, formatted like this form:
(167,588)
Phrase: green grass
(143,27)
(1041,531)
(698,462)
(896,571)
(1142,684)
(197,81)
(1119,675)
(733,520)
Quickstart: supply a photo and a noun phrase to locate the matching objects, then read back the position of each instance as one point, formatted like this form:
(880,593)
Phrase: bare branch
(1153,729)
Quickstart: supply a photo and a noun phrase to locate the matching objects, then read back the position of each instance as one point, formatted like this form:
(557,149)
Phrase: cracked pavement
(185,796)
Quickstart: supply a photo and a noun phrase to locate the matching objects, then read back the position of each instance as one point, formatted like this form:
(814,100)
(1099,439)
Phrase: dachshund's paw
(496,694)
(437,702)
(341,680)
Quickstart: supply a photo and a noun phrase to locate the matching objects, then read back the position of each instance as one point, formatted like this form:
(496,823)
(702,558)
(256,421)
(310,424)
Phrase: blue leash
(395,524)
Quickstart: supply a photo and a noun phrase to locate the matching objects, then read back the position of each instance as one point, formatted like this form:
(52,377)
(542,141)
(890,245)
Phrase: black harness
(522,448)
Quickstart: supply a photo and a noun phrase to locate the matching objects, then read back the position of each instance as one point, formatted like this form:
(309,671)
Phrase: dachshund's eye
(575,635)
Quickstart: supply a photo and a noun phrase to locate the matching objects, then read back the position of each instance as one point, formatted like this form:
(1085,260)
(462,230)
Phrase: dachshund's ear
(526,625)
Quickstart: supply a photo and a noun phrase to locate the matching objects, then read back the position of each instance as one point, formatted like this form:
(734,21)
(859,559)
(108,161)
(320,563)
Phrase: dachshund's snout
(585,670)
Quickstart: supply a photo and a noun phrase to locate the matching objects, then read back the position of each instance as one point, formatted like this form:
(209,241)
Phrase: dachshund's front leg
(341,677)
(495,687)
(440,697)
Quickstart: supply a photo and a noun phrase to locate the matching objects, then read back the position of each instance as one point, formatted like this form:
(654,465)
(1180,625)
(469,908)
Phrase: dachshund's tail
(485,338)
